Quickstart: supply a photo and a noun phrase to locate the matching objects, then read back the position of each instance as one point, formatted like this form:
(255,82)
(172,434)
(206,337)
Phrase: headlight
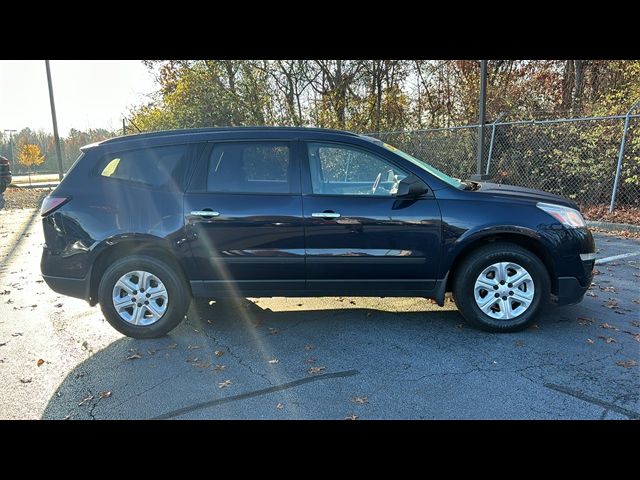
(569,217)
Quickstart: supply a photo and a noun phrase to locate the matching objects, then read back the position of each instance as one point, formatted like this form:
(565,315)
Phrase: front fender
(453,246)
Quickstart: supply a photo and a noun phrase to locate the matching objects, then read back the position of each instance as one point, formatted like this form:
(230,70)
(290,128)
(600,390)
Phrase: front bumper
(570,291)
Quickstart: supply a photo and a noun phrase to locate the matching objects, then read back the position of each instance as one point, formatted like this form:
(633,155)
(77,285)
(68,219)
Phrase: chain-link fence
(576,158)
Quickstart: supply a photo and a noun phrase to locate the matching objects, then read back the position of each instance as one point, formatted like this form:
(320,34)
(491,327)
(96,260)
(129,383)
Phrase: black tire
(177,290)
(468,271)
(3,186)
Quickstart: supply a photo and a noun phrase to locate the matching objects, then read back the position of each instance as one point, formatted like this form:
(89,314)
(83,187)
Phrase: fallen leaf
(585,321)
(352,302)
(17,334)
(219,368)
(134,356)
(224,384)
(104,394)
(612,304)
(591,294)
(360,400)
(353,416)
(299,305)
(280,406)
(520,343)
(218,353)
(273,361)
(85,345)
(40,362)
(86,400)
(3,344)
(57,305)
(607,339)
(315,370)
(172,346)
(590,341)
(26,380)
(636,300)
(273,331)
(609,288)
(39,281)
(309,347)
(607,326)
(310,360)
(596,272)
(151,351)
(193,347)
(635,323)
(67,417)
(199,363)
(5,292)
(626,363)
(460,326)
(619,312)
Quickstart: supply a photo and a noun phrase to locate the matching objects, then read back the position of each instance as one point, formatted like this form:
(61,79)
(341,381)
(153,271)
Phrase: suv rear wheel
(501,287)
(143,297)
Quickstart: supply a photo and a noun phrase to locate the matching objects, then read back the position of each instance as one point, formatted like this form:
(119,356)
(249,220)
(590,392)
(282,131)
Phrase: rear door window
(252,167)
(158,167)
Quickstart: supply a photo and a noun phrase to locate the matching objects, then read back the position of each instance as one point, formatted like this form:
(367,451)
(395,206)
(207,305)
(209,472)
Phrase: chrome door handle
(205,213)
(325,215)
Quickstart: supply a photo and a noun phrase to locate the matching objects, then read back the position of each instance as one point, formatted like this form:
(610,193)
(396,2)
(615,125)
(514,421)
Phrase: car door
(359,236)
(243,217)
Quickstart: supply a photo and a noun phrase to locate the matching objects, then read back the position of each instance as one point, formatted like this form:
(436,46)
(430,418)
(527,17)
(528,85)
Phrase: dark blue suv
(143,223)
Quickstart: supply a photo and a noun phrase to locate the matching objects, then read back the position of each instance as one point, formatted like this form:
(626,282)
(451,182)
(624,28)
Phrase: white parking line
(616,257)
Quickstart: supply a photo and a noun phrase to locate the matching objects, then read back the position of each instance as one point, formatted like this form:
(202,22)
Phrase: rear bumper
(72,287)
(570,291)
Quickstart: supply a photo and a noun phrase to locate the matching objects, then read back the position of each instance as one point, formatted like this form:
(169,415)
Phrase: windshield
(454,182)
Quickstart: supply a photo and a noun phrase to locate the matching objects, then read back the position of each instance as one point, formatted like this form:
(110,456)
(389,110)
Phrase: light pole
(11,132)
(55,121)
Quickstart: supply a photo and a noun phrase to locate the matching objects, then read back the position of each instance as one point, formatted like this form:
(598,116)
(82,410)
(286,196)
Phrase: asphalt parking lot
(321,358)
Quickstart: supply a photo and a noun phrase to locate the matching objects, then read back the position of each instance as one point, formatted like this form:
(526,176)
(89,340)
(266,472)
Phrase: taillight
(49,204)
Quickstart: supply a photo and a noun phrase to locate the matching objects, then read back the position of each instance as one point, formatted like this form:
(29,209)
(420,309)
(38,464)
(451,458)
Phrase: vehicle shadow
(240,342)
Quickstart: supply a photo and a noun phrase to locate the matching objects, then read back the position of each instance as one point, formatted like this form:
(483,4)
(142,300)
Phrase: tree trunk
(576,101)
(568,81)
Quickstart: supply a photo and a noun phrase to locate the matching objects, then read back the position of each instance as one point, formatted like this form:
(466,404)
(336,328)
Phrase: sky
(87,93)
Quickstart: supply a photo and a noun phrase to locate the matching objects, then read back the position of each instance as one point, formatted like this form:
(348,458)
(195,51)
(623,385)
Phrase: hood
(523,193)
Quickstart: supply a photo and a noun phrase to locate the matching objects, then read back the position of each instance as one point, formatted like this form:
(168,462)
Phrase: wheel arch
(524,238)
(110,250)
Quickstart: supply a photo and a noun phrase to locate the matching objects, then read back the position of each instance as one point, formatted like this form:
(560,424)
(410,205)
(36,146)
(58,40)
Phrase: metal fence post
(493,135)
(616,181)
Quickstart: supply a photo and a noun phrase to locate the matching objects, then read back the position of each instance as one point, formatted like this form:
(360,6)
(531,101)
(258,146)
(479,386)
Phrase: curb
(612,227)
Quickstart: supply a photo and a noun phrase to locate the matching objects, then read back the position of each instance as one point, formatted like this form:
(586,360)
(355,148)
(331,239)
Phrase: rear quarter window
(158,167)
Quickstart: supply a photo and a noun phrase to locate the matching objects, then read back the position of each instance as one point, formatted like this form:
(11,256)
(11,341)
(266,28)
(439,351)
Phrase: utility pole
(482,102)
(55,121)
(124,127)
(12,159)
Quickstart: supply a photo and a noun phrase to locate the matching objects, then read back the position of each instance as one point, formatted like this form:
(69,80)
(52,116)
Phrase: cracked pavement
(375,358)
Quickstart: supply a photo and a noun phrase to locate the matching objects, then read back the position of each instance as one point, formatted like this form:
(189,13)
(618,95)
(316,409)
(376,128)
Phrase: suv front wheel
(501,287)
(143,297)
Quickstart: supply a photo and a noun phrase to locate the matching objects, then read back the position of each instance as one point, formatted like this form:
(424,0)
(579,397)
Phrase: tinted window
(254,167)
(343,170)
(156,167)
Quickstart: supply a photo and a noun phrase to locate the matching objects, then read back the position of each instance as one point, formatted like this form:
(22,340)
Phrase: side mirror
(411,186)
